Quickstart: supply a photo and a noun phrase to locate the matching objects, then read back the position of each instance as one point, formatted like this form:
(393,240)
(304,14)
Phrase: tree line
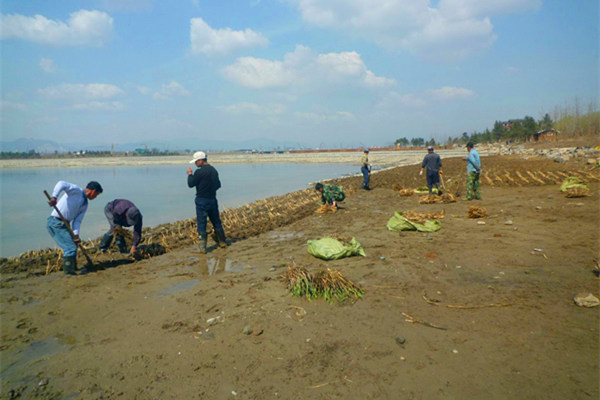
(568,121)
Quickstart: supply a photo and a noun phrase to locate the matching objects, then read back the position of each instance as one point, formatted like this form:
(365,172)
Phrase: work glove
(421,172)
(77,240)
(52,202)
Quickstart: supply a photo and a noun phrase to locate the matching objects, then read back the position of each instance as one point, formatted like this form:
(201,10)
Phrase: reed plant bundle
(420,218)
(578,192)
(326,209)
(331,285)
(476,212)
(429,199)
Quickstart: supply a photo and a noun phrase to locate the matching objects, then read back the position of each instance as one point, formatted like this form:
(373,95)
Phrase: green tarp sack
(332,249)
(425,190)
(572,182)
(399,223)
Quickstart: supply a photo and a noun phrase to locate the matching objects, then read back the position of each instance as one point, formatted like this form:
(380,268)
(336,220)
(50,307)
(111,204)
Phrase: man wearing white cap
(206,181)
(433,163)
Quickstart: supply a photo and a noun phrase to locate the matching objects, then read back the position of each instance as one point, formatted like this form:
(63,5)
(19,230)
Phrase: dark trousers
(207,208)
(433,178)
(365,172)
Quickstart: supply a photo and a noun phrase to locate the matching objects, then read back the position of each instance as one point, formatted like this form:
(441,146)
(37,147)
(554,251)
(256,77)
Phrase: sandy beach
(483,308)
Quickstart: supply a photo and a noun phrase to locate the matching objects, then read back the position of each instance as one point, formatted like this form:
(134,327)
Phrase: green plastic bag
(572,182)
(425,190)
(332,249)
(399,223)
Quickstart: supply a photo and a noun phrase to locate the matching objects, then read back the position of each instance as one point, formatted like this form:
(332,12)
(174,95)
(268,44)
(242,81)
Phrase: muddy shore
(473,310)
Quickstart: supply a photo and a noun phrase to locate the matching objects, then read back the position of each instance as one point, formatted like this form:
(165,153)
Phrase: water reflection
(216,264)
(34,353)
(179,287)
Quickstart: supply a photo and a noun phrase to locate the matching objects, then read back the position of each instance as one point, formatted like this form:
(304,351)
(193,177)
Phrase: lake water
(159,191)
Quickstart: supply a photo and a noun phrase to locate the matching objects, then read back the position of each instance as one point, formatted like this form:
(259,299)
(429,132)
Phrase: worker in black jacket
(206,181)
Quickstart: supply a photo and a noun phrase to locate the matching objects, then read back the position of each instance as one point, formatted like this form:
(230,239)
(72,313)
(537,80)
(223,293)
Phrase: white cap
(199,155)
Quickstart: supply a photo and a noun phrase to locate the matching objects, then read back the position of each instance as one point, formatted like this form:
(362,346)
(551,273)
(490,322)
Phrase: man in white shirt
(72,206)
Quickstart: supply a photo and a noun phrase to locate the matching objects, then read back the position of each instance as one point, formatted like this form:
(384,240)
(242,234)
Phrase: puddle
(179,287)
(225,265)
(36,352)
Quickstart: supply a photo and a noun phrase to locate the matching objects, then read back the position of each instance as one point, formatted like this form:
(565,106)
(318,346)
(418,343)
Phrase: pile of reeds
(429,199)
(448,198)
(434,198)
(406,192)
(476,212)
(420,218)
(578,192)
(325,208)
(331,285)
(120,231)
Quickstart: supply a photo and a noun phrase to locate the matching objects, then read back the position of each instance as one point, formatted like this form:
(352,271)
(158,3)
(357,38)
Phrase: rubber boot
(69,265)
(221,236)
(105,242)
(202,244)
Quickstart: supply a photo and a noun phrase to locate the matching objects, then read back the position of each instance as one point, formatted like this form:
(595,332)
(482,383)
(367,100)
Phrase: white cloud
(143,89)
(303,67)
(83,28)
(453,30)
(11,105)
(48,65)
(76,92)
(513,69)
(451,93)
(393,99)
(207,40)
(100,106)
(323,117)
(169,90)
(253,108)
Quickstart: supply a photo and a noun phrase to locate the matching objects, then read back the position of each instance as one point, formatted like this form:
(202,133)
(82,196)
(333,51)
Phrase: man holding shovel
(72,207)
(433,164)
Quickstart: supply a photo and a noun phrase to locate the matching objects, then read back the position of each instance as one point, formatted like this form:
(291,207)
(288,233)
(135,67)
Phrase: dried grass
(429,199)
(476,212)
(448,198)
(406,192)
(326,209)
(420,218)
(578,192)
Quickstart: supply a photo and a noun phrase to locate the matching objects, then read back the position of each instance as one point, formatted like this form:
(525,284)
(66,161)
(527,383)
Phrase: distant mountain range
(49,146)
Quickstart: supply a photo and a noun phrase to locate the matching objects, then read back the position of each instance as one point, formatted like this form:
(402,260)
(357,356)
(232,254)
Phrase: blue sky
(319,72)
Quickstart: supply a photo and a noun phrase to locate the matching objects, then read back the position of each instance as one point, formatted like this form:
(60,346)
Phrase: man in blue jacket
(473,172)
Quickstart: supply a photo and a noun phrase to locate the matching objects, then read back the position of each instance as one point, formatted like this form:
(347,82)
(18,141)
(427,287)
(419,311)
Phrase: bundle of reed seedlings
(420,218)
(476,212)
(429,199)
(448,198)
(325,208)
(578,192)
(331,285)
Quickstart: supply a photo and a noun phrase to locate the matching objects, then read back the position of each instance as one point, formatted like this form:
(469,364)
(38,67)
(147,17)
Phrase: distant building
(545,135)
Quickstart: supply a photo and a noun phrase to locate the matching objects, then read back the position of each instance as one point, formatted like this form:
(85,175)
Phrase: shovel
(90,264)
